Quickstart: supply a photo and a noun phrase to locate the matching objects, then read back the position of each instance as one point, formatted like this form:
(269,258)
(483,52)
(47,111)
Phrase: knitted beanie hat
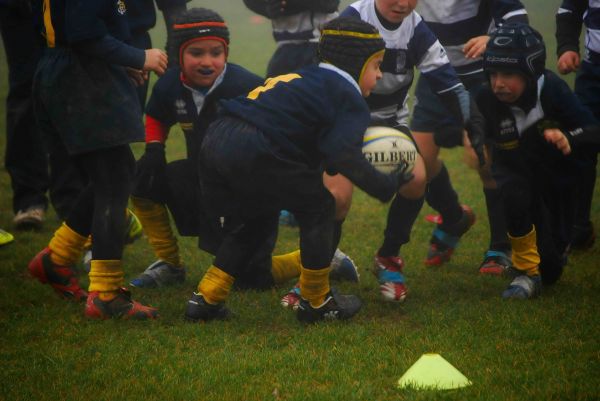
(349,43)
(197,24)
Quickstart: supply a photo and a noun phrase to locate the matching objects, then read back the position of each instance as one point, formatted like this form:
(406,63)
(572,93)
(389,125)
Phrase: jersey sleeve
(561,104)
(569,19)
(88,33)
(432,60)
(504,11)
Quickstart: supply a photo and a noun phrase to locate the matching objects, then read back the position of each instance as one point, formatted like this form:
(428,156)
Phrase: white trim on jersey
(343,73)
(525,121)
(514,13)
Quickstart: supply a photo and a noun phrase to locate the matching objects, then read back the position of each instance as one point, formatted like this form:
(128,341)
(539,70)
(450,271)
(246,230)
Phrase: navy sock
(400,220)
(442,197)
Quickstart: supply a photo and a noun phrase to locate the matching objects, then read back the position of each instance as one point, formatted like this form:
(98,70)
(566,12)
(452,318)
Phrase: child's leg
(401,217)
(518,201)
(110,172)
(587,89)
(54,264)
(235,251)
(440,195)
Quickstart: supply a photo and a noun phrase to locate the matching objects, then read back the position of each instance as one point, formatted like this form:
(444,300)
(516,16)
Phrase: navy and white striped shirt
(569,18)
(299,28)
(410,45)
(454,22)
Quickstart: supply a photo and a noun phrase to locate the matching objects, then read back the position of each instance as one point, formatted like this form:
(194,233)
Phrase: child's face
(395,10)
(508,86)
(371,74)
(203,61)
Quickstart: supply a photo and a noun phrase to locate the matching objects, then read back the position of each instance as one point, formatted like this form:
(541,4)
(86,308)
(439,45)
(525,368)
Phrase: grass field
(545,349)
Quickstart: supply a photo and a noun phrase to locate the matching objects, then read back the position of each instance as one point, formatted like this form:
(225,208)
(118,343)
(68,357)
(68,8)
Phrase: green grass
(545,349)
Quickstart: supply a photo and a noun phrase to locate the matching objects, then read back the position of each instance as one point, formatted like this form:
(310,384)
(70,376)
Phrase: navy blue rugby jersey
(98,28)
(316,115)
(411,45)
(174,102)
(515,133)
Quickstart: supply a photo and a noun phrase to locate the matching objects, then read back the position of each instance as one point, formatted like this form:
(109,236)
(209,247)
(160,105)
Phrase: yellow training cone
(432,372)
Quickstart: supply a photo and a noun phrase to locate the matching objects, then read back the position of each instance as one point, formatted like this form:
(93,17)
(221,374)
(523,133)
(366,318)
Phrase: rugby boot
(61,278)
(335,307)
(120,307)
(199,310)
(443,242)
(388,270)
(523,287)
(292,298)
(159,274)
(495,263)
(343,268)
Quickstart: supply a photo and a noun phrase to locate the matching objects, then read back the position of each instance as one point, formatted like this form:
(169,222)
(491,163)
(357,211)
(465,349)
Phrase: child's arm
(569,19)
(503,11)
(88,33)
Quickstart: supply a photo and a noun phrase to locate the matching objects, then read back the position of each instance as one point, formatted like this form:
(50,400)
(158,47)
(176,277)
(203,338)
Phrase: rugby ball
(384,147)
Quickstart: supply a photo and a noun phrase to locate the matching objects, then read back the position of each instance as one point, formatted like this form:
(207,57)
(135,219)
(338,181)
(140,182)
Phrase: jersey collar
(343,73)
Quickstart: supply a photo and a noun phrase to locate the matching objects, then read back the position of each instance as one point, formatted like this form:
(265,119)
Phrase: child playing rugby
(533,120)
(410,44)
(86,104)
(268,152)
(188,95)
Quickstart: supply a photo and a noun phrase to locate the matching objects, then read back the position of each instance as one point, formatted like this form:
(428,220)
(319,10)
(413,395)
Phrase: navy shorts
(430,114)
(85,103)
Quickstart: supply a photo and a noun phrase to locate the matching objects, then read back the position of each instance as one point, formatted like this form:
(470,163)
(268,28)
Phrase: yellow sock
(106,277)
(215,285)
(314,285)
(66,246)
(525,254)
(88,243)
(286,267)
(157,226)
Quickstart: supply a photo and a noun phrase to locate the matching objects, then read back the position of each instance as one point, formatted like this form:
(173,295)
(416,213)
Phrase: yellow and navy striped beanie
(349,43)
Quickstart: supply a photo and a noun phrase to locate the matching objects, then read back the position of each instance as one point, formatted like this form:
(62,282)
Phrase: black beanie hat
(348,43)
(196,24)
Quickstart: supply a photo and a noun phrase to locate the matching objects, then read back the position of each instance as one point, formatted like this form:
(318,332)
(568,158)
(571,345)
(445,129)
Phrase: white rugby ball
(384,147)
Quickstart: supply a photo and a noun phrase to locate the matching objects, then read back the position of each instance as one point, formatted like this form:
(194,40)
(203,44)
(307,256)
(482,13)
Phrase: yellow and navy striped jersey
(314,115)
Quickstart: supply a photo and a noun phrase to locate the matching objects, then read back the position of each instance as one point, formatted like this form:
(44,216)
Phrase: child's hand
(568,62)
(556,137)
(156,60)
(138,77)
(475,46)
